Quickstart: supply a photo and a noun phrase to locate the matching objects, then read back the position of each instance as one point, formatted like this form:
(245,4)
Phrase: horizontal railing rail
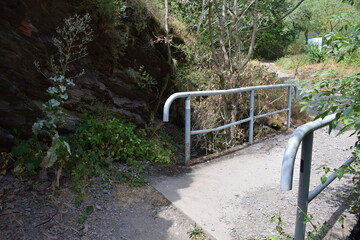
(250,119)
(304,135)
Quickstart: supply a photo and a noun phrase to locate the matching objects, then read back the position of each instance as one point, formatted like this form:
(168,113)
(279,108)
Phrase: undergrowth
(303,68)
(111,150)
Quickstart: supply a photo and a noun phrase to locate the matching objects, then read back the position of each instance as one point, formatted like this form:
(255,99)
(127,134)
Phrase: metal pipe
(271,113)
(187,128)
(187,95)
(287,170)
(220,128)
(304,182)
(251,124)
(329,180)
(212,92)
(289,108)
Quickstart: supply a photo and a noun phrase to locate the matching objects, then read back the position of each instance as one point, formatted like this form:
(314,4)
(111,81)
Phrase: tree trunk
(222,41)
(210,17)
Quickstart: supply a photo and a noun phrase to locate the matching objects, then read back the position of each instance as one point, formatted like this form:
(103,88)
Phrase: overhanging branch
(281,18)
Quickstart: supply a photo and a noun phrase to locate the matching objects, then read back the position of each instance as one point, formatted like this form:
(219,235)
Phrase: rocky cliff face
(109,84)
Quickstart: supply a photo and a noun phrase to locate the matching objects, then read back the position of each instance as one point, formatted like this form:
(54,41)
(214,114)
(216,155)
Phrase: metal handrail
(251,118)
(304,134)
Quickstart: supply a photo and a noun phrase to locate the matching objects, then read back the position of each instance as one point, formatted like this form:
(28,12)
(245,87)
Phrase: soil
(30,210)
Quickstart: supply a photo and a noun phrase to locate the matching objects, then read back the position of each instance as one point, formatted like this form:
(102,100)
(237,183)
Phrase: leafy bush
(29,154)
(341,95)
(343,45)
(96,145)
(314,53)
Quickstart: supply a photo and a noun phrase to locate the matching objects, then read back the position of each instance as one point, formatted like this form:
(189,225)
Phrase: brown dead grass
(303,70)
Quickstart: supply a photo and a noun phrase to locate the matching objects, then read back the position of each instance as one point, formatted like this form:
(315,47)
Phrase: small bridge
(235,195)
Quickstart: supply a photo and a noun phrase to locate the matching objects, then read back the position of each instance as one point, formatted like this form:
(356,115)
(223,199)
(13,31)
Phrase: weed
(99,146)
(83,217)
(279,228)
(29,154)
(314,53)
(197,233)
(143,79)
(71,43)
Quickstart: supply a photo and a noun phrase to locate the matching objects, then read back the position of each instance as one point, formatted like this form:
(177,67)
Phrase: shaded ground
(32,212)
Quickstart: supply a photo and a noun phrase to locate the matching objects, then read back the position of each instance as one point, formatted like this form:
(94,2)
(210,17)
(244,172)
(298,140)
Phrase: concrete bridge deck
(234,196)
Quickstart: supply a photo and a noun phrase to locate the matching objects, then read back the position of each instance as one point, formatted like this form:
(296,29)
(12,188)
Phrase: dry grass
(299,66)
(215,111)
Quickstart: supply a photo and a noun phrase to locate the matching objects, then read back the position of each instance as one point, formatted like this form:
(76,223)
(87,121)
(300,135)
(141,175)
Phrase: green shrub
(96,145)
(314,53)
(29,154)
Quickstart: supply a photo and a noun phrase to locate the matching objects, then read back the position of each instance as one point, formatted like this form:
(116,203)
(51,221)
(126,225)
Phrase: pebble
(10,206)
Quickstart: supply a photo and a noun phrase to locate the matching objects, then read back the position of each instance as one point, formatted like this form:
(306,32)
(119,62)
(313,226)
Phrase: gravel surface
(236,195)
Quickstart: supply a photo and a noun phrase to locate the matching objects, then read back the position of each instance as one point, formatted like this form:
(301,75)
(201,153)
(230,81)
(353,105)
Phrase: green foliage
(279,228)
(29,154)
(114,140)
(97,145)
(293,62)
(340,96)
(143,78)
(344,43)
(314,53)
(315,18)
(317,228)
(272,43)
(196,233)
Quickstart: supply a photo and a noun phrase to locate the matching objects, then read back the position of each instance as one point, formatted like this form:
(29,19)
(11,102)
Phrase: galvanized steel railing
(250,119)
(304,134)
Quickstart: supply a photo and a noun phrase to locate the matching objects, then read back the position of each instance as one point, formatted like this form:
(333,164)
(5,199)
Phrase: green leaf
(89,210)
(82,219)
(323,179)
(51,157)
(66,144)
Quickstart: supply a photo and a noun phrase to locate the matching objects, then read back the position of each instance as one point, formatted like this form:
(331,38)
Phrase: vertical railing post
(304,182)
(187,128)
(289,108)
(251,124)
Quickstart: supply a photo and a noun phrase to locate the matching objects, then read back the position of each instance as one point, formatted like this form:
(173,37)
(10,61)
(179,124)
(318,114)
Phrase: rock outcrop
(26,29)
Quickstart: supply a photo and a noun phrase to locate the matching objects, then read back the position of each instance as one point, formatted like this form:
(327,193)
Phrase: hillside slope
(121,53)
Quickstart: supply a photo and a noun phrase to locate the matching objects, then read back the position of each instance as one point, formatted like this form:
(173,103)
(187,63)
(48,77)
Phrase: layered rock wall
(26,29)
